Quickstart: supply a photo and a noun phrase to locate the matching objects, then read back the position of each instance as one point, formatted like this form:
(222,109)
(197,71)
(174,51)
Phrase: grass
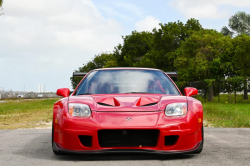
(227,113)
(25,113)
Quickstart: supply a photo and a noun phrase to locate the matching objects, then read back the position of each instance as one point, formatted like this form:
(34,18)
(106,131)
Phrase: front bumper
(187,128)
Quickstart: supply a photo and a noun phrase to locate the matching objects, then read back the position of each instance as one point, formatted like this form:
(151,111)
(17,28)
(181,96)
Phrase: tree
(146,61)
(238,24)
(200,57)
(233,84)
(230,70)
(1,6)
(154,49)
(146,49)
(242,58)
(167,39)
(134,47)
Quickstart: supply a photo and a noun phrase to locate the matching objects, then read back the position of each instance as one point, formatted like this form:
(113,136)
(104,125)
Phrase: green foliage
(200,56)
(242,58)
(233,84)
(111,63)
(134,47)
(1,4)
(242,54)
(146,61)
(146,49)
(239,24)
(167,39)
(209,82)
(196,54)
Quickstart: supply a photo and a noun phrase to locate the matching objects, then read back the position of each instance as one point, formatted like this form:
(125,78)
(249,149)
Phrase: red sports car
(127,110)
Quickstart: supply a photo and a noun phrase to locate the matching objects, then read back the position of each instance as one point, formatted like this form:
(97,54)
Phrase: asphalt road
(223,146)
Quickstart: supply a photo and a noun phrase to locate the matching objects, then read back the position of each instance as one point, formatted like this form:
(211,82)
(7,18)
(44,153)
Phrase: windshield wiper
(85,94)
(136,92)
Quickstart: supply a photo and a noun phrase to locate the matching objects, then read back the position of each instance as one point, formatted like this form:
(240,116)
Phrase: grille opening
(85,140)
(148,104)
(171,139)
(128,138)
(104,104)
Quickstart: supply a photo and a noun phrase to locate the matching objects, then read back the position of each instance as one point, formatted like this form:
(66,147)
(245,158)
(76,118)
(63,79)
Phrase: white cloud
(47,39)
(238,3)
(206,9)
(147,24)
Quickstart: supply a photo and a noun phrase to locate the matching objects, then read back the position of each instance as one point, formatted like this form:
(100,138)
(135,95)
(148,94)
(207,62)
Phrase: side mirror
(63,92)
(189,91)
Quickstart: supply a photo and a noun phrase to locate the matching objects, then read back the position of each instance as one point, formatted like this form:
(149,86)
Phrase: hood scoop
(132,102)
(109,102)
(146,101)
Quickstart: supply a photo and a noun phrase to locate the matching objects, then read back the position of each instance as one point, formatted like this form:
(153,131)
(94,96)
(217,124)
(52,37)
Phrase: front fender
(60,114)
(196,107)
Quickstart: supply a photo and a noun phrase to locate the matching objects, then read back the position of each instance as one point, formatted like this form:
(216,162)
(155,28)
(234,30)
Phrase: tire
(201,145)
(52,141)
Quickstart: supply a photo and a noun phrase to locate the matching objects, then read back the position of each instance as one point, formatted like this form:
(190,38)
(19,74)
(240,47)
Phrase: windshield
(126,81)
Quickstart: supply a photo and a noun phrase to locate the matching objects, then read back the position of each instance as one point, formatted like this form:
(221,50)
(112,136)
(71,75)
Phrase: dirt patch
(44,125)
(206,124)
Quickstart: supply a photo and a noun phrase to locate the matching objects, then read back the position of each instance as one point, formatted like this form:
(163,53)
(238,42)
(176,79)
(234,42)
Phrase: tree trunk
(245,90)
(210,93)
(234,95)
(218,90)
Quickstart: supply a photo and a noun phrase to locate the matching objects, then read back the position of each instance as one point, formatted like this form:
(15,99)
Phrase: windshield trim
(124,68)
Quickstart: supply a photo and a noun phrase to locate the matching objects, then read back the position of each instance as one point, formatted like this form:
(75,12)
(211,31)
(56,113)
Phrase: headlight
(81,110)
(176,109)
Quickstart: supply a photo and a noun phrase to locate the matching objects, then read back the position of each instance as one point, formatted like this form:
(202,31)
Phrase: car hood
(127,102)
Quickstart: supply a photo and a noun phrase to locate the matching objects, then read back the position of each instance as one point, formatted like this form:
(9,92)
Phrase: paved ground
(33,147)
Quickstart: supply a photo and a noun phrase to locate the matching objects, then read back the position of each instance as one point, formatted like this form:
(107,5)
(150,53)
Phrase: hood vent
(149,104)
(109,102)
(146,101)
(133,101)
(104,104)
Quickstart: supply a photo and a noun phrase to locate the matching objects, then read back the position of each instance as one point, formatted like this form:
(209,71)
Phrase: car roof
(126,68)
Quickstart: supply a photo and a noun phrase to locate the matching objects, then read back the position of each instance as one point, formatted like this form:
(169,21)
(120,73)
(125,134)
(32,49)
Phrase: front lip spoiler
(58,148)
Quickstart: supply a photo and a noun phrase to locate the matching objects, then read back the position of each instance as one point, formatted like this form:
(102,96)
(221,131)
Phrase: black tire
(52,140)
(201,145)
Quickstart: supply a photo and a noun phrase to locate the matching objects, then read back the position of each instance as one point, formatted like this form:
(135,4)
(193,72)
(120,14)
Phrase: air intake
(128,138)
(171,139)
(85,140)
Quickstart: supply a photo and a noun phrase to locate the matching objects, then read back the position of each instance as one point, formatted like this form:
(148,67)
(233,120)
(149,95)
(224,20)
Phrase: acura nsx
(127,110)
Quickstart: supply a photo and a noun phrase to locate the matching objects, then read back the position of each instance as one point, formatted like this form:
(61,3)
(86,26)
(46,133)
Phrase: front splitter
(58,148)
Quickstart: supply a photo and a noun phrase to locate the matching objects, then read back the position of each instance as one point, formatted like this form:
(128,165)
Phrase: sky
(44,41)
